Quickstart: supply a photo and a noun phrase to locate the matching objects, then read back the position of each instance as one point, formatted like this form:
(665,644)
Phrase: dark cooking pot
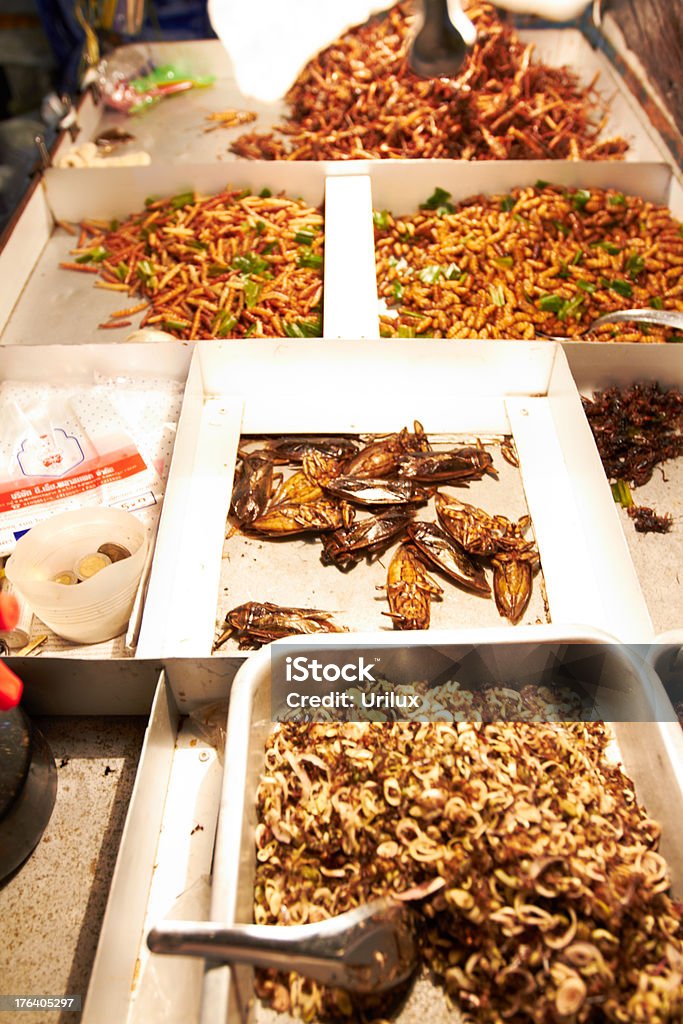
(28,788)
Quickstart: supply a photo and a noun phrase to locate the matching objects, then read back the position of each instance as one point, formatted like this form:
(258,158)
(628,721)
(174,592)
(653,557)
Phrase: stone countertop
(51,908)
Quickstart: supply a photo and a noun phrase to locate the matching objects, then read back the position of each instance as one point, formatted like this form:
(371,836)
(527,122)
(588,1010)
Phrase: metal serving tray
(657,557)
(627,688)
(472,388)
(43,303)
(189,142)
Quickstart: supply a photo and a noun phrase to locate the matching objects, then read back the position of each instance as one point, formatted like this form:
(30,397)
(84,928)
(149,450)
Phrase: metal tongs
(657,317)
(369,949)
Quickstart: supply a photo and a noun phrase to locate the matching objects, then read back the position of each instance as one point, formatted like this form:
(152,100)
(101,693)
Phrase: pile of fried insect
(360,500)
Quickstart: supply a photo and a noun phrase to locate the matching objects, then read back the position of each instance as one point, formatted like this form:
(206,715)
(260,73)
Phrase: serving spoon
(439,47)
(369,949)
(657,317)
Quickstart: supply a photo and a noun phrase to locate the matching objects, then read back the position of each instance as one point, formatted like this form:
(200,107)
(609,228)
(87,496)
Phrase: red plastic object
(11,688)
(9,611)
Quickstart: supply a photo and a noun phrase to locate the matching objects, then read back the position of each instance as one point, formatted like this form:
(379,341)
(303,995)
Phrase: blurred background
(41,47)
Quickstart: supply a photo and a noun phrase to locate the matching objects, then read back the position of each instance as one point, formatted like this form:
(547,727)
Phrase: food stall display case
(600,584)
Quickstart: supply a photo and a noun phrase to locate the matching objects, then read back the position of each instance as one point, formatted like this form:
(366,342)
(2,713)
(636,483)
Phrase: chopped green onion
(265,193)
(292,330)
(252,291)
(144,269)
(541,183)
(122,271)
(194,243)
(551,303)
(430,274)
(150,200)
(406,332)
(503,261)
(306,258)
(621,492)
(571,308)
(250,263)
(453,272)
(580,199)
(224,324)
(380,219)
(250,331)
(656,303)
(586,286)
(305,237)
(243,194)
(174,325)
(497,295)
(609,247)
(508,203)
(114,225)
(184,199)
(561,227)
(618,199)
(260,227)
(303,328)
(621,287)
(439,201)
(95,255)
(398,291)
(634,265)
(577,257)
(563,272)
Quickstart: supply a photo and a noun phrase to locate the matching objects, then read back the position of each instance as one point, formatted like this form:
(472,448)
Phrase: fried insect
(474,530)
(458,465)
(295,448)
(445,554)
(371,491)
(287,519)
(367,538)
(297,490)
(320,467)
(410,590)
(512,580)
(253,488)
(646,519)
(258,623)
(381,457)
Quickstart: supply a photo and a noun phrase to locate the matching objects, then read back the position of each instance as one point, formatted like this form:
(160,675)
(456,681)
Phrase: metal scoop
(366,950)
(658,317)
(439,48)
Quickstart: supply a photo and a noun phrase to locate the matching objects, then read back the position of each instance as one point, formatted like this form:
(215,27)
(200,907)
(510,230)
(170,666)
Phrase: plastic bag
(133,83)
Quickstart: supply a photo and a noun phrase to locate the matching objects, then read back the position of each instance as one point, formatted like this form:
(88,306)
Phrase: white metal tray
(651,752)
(282,387)
(42,302)
(189,142)
(657,557)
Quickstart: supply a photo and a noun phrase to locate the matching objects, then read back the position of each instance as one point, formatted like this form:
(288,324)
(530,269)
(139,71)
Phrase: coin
(91,564)
(115,552)
(66,576)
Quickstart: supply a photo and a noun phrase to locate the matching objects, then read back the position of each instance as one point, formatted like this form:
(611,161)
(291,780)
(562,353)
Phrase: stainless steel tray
(43,303)
(651,752)
(175,129)
(657,557)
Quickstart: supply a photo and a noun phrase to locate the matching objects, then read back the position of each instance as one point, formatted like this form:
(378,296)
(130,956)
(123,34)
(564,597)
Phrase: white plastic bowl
(98,608)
